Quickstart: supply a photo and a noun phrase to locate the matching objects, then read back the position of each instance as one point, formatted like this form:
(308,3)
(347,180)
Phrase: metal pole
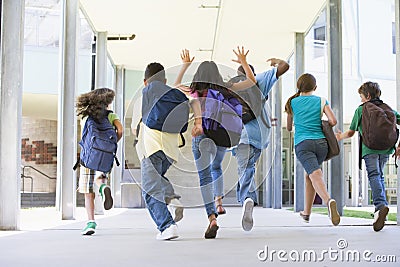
(100,81)
(397,18)
(12,44)
(299,183)
(101,60)
(120,110)
(277,168)
(67,126)
(335,81)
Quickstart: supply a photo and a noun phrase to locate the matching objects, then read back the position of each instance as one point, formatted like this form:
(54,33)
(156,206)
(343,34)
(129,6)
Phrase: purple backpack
(222,118)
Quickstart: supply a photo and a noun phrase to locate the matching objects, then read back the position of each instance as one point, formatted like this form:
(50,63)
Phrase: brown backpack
(378,122)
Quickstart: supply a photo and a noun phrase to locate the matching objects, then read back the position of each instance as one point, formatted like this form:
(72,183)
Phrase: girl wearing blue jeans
(207,155)
(304,109)
(375,160)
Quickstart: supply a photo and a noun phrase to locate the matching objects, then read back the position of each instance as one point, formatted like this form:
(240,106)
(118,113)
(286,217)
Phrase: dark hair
(206,77)
(154,72)
(94,103)
(305,83)
(370,89)
(240,70)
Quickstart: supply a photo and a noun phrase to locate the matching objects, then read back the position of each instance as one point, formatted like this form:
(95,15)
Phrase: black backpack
(251,98)
(378,123)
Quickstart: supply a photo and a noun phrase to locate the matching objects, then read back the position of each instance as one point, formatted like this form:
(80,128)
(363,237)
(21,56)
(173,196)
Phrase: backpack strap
(323,102)
(137,132)
(183,140)
(78,162)
(359,151)
(116,160)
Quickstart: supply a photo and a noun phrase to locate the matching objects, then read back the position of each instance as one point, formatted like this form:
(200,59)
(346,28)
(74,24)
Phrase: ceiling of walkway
(210,29)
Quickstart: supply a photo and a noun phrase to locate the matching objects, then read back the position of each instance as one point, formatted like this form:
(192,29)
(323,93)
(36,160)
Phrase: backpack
(251,98)
(164,108)
(378,123)
(222,118)
(98,145)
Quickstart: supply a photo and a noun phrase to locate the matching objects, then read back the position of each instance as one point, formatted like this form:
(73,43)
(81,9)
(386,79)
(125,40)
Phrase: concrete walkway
(126,237)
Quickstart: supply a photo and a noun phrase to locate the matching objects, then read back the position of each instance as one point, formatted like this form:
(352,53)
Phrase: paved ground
(126,237)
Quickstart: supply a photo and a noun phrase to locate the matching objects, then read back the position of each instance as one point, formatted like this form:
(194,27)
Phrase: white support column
(267,173)
(100,81)
(120,110)
(397,18)
(12,44)
(267,158)
(335,83)
(101,60)
(67,122)
(277,157)
(299,183)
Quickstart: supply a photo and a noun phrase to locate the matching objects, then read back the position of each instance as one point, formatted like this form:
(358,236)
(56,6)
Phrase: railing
(24,176)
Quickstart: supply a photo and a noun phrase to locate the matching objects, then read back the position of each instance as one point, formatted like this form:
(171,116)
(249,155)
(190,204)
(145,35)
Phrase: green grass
(353,213)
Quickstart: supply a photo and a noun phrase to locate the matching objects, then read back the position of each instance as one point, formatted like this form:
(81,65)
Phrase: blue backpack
(164,108)
(98,145)
(222,118)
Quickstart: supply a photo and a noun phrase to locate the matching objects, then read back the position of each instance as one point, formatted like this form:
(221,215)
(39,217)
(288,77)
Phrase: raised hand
(185,56)
(241,55)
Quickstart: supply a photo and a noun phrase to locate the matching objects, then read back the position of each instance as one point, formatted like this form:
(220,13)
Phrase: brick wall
(39,150)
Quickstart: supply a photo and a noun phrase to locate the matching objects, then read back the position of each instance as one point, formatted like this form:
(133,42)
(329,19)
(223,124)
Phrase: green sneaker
(105,192)
(89,229)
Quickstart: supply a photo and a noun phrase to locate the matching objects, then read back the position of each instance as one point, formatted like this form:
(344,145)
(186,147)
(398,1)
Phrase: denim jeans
(375,164)
(246,156)
(311,153)
(208,158)
(154,189)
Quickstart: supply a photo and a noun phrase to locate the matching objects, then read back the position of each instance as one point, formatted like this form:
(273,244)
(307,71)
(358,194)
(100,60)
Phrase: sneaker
(176,209)
(105,192)
(332,212)
(379,218)
(247,217)
(170,233)
(306,218)
(89,229)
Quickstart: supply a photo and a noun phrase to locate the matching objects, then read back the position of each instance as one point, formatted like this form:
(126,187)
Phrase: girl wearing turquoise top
(310,144)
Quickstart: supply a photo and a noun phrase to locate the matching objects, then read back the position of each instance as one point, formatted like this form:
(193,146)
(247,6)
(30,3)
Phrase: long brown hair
(305,83)
(94,103)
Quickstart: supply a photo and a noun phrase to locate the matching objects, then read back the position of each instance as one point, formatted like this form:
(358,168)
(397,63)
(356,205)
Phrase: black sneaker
(379,218)
(105,192)
(306,218)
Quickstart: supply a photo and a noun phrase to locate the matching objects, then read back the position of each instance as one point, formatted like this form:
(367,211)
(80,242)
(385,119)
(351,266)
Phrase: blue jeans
(246,156)
(154,190)
(208,158)
(375,164)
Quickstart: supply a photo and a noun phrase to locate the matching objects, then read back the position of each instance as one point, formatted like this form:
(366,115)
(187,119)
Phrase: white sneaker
(176,209)
(247,217)
(379,218)
(170,233)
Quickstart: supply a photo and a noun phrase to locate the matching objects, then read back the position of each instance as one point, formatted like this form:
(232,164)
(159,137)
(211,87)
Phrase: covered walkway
(126,237)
